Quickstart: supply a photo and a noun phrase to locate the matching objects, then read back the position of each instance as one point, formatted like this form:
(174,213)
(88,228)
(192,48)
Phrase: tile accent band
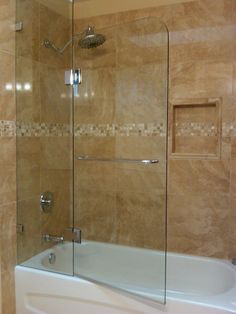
(35,129)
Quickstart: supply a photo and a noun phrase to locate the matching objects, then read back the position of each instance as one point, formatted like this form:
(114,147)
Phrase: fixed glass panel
(120,115)
(44,135)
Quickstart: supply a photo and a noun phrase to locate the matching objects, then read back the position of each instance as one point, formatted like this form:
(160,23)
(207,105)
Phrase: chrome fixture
(52,238)
(19,26)
(20,228)
(137,161)
(52,258)
(234,261)
(73,77)
(46,202)
(71,234)
(89,40)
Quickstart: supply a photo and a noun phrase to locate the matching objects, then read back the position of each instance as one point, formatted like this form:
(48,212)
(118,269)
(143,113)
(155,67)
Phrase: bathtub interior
(207,281)
(124,268)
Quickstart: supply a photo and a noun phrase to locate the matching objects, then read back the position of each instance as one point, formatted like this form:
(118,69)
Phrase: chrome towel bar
(137,161)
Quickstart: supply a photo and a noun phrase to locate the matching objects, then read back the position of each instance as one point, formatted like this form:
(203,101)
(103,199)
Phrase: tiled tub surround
(202,65)
(202,60)
(44,137)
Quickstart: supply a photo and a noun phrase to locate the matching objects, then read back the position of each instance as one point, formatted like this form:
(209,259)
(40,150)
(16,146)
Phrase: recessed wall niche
(196,128)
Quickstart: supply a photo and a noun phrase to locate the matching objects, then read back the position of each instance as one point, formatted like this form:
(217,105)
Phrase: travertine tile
(139,215)
(56,152)
(28,89)
(55,96)
(7,82)
(59,32)
(7,19)
(8,237)
(96,215)
(59,183)
(28,12)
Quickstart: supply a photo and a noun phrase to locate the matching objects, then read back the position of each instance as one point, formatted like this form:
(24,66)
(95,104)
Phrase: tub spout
(51,238)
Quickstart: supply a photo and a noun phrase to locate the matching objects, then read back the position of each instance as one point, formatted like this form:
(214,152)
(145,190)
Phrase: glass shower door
(120,116)
(44,135)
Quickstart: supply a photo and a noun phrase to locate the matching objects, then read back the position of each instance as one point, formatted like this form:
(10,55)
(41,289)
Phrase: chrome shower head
(91,39)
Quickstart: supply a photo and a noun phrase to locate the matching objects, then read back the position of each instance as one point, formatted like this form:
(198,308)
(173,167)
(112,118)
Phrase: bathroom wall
(44,142)
(201,210)
(7,157)
(43,146)
(201,170)
(114,121)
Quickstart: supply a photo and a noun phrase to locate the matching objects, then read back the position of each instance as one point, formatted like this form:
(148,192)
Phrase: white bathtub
(195,285)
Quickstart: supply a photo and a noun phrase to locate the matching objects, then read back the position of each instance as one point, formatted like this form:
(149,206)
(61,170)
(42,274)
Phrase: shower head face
(91,39)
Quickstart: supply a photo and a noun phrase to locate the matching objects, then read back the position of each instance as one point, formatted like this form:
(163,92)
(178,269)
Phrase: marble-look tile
(8,237)
(58,30)
(103,147)
(196,176)
(55,96)
(59,182)
(201,13)
(28,183)
(99,22)
(28,12)
(28,89)
(28,152)
(56,153)
(96,215)
(7,81)
(29,215)
(7,19)
(94,110)
(98,176)
(131,147)
(8,184)
(139,100)
(198,223)
(201,79)
(140,215)
(8,152)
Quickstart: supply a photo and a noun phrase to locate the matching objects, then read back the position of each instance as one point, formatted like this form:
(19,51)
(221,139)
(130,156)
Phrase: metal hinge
(20,228)
(73,234)
(19,26)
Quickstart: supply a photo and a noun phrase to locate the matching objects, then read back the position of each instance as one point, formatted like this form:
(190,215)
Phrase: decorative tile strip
(7,128)
(25,129)
(102,130)
(195,129)
(28,129)
(229,130)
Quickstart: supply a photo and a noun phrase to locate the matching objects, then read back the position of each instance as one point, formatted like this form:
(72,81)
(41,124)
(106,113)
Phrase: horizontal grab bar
(137,161)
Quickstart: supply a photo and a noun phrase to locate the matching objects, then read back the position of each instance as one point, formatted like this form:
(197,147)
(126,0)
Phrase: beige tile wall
(44,161)
(7,159)
(122,86)
(202,65)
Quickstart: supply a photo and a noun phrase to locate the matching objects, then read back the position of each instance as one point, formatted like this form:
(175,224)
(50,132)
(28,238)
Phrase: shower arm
(49,44)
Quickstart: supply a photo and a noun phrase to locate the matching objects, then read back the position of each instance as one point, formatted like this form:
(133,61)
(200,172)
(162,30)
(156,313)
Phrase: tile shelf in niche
(195,128)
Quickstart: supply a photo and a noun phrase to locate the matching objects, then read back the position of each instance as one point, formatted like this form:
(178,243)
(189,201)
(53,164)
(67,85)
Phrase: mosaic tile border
(7,128)
(195,129)
(27,129)
(102,130)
